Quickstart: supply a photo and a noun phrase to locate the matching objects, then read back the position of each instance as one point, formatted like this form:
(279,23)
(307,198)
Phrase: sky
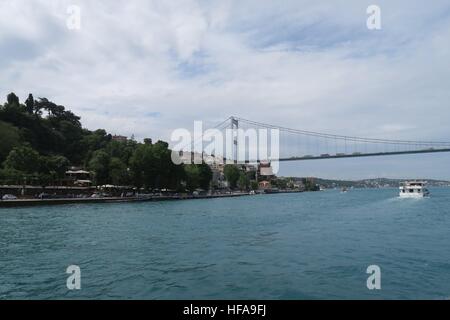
(149,67)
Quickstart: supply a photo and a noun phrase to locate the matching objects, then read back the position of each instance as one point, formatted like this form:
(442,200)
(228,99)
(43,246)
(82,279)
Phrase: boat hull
(413,195)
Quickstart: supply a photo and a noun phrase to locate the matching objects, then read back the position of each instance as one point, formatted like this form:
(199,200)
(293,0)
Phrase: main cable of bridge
(342,137)
(192,144)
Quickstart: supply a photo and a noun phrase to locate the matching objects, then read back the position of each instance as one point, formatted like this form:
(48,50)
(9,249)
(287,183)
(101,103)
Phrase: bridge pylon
(234,134)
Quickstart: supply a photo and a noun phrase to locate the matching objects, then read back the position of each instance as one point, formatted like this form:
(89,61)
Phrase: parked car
(9,197)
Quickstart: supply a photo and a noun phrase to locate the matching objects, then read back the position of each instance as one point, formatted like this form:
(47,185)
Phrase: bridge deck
(337,156)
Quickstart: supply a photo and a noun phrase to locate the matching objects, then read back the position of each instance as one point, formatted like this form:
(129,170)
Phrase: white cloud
(298,64)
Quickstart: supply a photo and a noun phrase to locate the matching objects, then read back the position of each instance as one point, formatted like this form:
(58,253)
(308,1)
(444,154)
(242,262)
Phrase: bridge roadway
(355,155)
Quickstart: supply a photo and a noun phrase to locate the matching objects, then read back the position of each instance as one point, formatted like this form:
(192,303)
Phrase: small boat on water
(344,190)
(413,189)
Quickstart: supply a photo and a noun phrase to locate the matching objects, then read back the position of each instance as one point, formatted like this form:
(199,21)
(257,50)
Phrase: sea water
(314,245)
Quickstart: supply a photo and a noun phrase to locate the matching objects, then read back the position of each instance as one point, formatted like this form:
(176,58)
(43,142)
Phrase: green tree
(10,176)
(118,172)
(24,159)
(232,174)
(121,150)
(10,138)
(243,182)
(197,176)
(13,100)
(280,183)
(95,140)
(206,174)
(29,103)
(310,185)
(151,166)
(142,166)
(192,172)
(55,166)
(71,139)
(99,164)
(162,164)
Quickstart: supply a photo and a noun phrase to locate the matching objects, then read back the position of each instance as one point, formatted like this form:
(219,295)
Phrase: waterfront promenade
(61,201)
(40,202)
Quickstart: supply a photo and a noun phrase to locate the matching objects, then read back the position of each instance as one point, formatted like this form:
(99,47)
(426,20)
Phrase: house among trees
(264,169)
(78,177)
(119,138)
(264,185)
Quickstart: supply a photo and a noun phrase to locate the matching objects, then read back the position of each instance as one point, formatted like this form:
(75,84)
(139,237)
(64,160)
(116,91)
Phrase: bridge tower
(234,134)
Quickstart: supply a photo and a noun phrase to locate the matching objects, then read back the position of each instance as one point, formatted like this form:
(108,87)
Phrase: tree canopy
(43,138)
(232,174)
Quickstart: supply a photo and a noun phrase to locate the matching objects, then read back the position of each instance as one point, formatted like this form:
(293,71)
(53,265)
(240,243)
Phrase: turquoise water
(285,246)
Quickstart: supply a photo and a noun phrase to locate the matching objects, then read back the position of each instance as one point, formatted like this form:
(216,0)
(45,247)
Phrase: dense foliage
(232,174)
(41,139)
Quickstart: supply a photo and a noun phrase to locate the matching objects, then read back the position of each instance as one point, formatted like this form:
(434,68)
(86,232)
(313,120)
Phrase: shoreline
(63,201)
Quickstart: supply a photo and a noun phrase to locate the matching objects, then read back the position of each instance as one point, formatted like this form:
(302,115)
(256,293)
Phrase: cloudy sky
(149,67)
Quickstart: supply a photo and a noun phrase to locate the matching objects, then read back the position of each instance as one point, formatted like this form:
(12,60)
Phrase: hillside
(41,140)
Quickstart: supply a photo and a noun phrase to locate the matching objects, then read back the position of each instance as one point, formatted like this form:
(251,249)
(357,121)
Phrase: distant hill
(372,183)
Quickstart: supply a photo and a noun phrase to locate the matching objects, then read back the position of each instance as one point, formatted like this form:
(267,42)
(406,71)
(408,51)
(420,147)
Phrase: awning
(77,172)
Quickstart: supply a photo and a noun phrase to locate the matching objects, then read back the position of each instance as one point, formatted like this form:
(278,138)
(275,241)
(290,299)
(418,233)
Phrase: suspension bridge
(300,145)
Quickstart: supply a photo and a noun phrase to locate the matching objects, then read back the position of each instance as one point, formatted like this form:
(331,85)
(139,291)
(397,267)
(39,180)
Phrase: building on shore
(217,166)
(119,138)
(264,185)
(188,157)
(265,170)
(78,177)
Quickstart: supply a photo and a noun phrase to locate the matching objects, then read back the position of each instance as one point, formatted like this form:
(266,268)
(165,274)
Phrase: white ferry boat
(413,189)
